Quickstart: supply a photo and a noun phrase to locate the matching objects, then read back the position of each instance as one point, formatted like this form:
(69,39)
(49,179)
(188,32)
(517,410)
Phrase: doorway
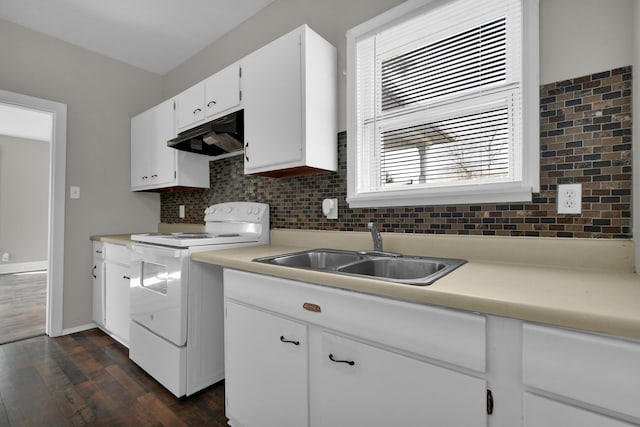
(54,248)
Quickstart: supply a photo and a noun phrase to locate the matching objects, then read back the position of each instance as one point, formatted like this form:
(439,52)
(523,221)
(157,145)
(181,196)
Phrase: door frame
(57,176)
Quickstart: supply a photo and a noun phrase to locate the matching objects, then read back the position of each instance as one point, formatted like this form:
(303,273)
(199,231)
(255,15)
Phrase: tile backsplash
(585,137)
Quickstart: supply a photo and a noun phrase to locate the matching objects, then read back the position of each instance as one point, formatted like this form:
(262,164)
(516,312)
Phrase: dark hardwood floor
(23,299)
(87,379)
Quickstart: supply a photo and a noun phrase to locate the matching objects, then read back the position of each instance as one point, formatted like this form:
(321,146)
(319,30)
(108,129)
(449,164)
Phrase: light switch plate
(74,192)
(569,198)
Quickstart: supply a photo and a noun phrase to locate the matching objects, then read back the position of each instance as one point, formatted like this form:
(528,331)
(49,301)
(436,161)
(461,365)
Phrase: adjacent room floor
(23,302)
(87,379)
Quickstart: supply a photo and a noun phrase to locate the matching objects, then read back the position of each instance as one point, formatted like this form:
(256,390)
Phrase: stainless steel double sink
(411,270)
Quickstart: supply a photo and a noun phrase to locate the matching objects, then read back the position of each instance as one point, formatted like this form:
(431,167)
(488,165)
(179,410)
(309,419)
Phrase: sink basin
(406,270)
(317,259)
(409,270)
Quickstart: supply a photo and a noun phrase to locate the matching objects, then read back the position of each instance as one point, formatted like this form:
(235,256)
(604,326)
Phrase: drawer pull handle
(348,362)
(311,307)
(93,272)
(211,103)
(126,277)
(197,110)
(283,339)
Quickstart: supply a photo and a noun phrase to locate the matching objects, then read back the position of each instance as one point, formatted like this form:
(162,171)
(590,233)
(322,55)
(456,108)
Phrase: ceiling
(155,35)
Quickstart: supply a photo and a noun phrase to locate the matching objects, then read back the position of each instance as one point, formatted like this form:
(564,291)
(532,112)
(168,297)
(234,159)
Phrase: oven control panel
(236,212)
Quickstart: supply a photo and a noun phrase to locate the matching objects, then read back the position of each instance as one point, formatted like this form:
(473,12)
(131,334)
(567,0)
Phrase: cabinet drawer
(119,254)
(97,251)
(165,362)
(421,329)
(598,370)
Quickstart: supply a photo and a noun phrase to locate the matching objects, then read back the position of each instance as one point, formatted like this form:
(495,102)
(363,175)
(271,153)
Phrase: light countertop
(576,283)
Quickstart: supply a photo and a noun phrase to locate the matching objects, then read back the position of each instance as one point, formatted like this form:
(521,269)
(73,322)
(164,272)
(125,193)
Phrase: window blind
(426,91)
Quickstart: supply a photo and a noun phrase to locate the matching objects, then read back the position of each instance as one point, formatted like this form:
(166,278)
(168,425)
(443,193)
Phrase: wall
(580,37)
(576,146)
(24,199)
(101,96)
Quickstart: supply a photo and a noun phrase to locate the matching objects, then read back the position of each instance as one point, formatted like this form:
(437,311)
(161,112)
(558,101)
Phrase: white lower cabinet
(362,385)
(265,369)
(97,283)
(579,379)
(305,355)
(543,412)
(117,271)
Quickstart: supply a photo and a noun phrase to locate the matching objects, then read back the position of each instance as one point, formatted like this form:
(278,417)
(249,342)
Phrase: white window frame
(512,191)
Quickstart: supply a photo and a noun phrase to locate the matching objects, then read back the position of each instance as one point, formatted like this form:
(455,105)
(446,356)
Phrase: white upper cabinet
(190,107)
(222,91)
(154,165)
(290,106)
(217,94)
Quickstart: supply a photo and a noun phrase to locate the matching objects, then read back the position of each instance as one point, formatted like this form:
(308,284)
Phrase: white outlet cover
(569,198)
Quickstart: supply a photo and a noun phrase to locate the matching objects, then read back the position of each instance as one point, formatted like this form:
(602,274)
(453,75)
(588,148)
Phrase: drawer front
(594,369)
(164,361)
(98,251)
(117,253)
(421,329)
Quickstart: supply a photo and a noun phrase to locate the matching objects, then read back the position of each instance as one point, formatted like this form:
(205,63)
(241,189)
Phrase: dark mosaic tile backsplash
(585,137)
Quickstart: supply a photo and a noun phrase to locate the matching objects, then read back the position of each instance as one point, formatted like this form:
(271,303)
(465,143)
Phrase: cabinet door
(541,412)
(190,107)
(222,90)
(98,288)
(265,369)
(153,163)
(361,385)
(272,98)
(142,132)
(117,300)
(97,283)
(163,164)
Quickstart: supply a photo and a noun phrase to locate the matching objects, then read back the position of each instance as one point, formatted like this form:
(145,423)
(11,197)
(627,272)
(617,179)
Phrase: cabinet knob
(197,110)
(348,362)
(284,340)
(211,103)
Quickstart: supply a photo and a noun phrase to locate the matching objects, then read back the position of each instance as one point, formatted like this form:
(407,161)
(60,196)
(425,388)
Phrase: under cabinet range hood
(220,136)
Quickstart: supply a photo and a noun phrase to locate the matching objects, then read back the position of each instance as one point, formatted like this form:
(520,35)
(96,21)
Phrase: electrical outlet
(569,198)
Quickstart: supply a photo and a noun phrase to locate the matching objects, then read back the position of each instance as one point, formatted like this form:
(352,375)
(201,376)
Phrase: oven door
(159,278)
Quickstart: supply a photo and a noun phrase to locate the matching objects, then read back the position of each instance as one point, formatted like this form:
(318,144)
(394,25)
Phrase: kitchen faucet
(377,238)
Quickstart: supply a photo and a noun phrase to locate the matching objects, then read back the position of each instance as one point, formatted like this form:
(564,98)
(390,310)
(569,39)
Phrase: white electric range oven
(177,318)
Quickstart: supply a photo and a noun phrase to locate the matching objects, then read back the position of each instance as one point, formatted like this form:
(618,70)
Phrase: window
(442,101)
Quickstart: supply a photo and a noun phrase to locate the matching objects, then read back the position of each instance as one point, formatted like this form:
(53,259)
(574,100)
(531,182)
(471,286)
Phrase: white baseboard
(22,267)
(80,328)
